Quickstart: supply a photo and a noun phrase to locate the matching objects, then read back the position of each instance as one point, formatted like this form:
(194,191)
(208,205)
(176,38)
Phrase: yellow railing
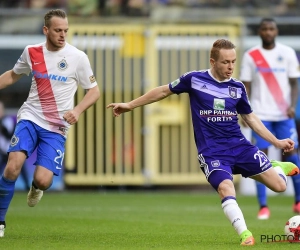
(153,144)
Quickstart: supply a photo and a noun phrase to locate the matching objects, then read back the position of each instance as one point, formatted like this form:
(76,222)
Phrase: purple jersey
(215,107)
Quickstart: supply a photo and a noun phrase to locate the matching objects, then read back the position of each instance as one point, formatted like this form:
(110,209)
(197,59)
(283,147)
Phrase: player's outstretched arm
(8,78)
(255,124)
(153,95)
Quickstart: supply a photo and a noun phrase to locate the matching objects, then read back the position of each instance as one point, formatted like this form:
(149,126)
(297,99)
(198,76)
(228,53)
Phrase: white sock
(281,173)
(234,214)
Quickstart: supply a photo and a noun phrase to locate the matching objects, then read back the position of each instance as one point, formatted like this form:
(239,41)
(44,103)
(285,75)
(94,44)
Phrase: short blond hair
(51,13)
(218,45)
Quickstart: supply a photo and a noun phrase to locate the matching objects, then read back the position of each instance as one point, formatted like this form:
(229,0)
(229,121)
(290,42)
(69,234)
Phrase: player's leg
(261,191)
(222,183)
(22,144)
(287,129)
(50,155)
(220,178)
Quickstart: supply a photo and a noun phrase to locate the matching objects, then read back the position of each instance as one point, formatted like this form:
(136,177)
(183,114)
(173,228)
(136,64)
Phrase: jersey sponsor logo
(215,163)
(92,79)
(62,65)
(217,115)
(14,140)
(269,70)
(219,104)
(36,63)
(37,74)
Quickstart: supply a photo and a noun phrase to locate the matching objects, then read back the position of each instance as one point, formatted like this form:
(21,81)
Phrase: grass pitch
(137,221)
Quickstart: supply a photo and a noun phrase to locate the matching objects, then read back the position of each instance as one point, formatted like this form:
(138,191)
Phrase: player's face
(223,67)
(268,31)
(56,33)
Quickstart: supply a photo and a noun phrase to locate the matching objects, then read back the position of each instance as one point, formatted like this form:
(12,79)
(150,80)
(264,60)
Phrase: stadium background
(134,46)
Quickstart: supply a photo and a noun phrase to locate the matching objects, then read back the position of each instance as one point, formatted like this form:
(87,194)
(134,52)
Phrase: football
(292,229)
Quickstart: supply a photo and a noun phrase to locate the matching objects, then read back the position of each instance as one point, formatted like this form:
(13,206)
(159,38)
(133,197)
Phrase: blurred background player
(7,127)
(270,72)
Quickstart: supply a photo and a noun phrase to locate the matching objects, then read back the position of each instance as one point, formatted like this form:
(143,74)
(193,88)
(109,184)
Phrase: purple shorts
(245,159)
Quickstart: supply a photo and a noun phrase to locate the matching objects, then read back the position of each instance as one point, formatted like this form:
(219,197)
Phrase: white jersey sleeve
(293,64)
(84,73)
(246,71)
(23,65)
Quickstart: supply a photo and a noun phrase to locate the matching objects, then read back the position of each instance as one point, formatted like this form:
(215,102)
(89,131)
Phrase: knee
(279,187)
(43,184)
(12,171)
(226,188)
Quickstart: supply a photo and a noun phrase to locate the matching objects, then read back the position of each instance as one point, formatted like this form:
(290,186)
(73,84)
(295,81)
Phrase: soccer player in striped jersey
(44,119)
(270,72)
(216,99)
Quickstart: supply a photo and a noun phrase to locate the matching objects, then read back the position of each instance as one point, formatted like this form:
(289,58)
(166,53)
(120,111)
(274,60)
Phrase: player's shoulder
(71,48)
(284,47)
(35,45)
(256,47)
(236,82)
(195,73)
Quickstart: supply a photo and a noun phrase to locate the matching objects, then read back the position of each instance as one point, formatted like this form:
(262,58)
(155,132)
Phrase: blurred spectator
(55,4)
(82,7)
(10,3)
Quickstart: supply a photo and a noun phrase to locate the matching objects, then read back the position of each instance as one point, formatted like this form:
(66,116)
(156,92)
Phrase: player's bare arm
(91,96)
(248,90)
(291,112)
(153,95)
(255,124)
(8,78)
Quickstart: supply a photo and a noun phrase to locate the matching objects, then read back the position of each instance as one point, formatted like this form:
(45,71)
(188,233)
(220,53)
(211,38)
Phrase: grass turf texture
(137,220)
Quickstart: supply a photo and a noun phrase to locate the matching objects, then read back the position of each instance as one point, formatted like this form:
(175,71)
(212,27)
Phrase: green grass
(136,220)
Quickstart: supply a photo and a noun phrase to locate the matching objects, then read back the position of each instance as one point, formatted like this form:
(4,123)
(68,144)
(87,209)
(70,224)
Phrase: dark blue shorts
(245,159)
(281,129)
(50,146)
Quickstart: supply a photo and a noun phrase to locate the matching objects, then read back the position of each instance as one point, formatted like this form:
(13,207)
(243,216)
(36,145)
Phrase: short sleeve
(86,78)
(23,66)
(293,65)
(182,84)
(246,68)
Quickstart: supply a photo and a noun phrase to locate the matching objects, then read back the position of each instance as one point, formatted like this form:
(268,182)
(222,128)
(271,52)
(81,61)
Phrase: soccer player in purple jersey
(216,99)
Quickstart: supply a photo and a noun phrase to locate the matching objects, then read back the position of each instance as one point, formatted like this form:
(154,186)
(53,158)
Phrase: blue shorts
(50,146)
(245,159)
(281,129)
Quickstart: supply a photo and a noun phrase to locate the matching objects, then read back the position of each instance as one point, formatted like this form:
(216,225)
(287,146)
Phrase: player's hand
(71,117)
(286,144)
(291,112)
(119,108)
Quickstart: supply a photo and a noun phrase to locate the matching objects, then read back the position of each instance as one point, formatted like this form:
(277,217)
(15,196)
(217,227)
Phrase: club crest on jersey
(14,141)
(219,104)
(62,65)
(232,92)
(215,163)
